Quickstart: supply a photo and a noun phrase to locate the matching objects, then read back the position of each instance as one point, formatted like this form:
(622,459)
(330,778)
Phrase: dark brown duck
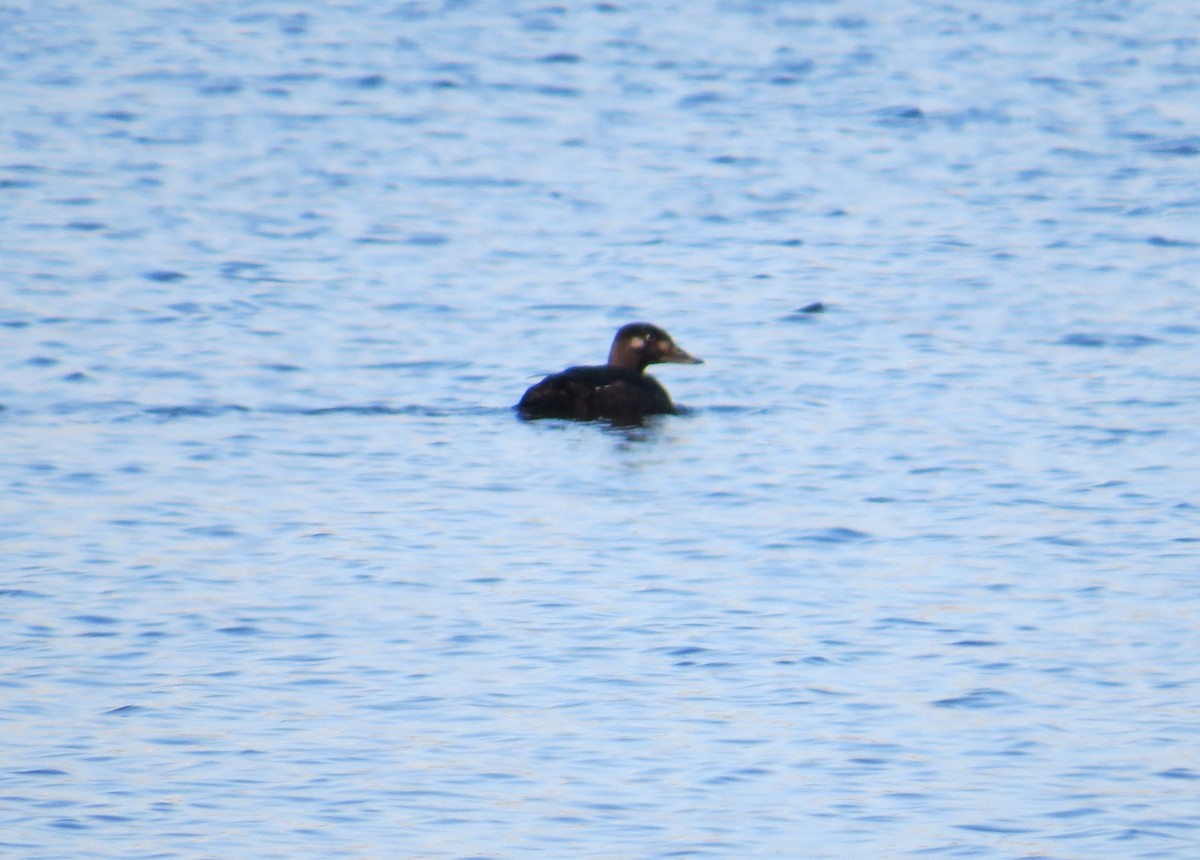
(620,390)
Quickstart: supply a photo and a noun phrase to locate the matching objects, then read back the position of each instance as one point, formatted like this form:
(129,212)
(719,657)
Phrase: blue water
(915,576)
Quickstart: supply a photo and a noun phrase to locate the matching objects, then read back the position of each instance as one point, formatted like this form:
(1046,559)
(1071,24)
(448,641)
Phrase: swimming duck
(620,390)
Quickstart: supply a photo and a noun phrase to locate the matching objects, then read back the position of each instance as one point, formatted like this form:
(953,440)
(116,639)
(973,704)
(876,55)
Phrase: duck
(620,391)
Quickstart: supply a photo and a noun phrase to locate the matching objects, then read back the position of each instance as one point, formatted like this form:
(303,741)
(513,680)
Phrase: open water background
(913,577)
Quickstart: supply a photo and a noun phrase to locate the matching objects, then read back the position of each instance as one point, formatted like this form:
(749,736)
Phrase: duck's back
(586,393)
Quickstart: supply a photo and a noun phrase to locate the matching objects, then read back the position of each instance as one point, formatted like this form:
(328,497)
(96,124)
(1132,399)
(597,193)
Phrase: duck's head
(639,344)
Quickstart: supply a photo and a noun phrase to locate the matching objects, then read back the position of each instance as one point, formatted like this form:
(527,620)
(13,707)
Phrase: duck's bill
(679,356)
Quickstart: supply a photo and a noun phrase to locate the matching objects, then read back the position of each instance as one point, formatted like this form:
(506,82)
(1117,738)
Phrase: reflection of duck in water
(618,390)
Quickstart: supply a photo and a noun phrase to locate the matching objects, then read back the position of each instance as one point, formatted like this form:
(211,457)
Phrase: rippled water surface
(914,575)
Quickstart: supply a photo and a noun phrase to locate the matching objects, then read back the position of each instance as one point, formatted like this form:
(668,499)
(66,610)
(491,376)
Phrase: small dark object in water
(814,308)
(620,390)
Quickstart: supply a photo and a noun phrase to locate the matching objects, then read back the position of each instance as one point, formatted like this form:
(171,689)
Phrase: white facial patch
(637,342)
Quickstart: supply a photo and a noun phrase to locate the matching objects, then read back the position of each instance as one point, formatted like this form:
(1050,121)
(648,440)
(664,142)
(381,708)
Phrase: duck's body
(618,391)
(587,393)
